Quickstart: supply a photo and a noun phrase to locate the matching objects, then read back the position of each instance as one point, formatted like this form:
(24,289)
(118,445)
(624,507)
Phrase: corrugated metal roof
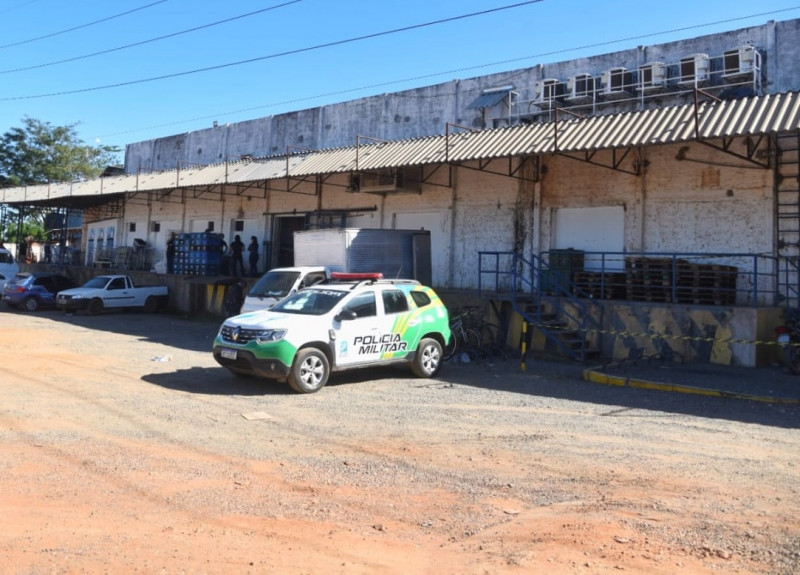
(710,120)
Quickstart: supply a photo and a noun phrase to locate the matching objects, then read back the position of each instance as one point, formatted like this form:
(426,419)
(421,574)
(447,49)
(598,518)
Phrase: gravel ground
(127,449)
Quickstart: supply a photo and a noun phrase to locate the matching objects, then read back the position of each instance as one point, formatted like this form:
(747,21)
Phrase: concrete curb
(594,376)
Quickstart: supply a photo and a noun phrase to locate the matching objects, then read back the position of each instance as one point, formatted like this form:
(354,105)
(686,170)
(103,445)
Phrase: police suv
(349,321)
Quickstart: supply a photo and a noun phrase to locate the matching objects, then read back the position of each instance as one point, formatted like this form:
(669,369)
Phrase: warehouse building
(638,203)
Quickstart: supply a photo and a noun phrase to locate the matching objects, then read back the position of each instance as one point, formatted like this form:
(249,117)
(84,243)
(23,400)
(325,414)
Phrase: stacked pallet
(670,280)
(599,285)
(649,279)
(707,284)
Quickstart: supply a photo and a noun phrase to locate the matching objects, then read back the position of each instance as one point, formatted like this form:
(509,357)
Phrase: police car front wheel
(310,371)
(428,359)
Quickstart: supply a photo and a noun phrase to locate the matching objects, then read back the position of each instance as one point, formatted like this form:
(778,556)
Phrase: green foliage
(32,225)
(40,153)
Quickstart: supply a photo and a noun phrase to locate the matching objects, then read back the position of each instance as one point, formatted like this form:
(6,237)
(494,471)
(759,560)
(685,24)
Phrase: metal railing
(548,301)
(742,279)
(788,272)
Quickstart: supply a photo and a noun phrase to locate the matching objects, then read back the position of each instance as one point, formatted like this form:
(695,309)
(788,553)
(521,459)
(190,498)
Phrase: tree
(40,153)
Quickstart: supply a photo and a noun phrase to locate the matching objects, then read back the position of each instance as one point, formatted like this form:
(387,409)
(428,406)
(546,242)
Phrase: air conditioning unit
(548,91)
(695,70)
(581,88)
(617,83)
(740,63)
(652,77)
(376,182)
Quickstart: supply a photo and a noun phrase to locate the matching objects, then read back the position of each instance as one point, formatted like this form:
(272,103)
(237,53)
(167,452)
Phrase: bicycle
(461,336)
(487,341)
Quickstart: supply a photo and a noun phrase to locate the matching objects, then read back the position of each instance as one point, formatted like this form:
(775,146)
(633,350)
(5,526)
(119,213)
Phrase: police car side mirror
(346,314)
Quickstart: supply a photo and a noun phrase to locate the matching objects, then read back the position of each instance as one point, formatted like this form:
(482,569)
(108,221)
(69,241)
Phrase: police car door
(404,322)
(358,340)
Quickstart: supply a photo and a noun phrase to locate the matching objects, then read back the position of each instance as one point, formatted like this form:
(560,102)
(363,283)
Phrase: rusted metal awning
(703,121)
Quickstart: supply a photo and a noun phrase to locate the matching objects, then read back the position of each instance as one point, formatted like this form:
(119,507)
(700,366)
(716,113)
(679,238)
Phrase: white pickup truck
(279,283)
(112,291)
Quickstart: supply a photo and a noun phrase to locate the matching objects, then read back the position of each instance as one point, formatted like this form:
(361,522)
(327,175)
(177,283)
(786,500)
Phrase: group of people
(232,262)
(237,255)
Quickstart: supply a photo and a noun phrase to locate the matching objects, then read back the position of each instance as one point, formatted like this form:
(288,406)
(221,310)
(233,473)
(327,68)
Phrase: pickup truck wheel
(428,359)
(151,305)
(30,304)
(310,371)
(95,306)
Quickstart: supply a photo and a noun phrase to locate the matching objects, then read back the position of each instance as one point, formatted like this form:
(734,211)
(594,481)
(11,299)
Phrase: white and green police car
(350,321)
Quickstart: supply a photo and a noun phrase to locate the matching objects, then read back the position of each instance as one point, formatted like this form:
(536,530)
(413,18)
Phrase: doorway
(283,239)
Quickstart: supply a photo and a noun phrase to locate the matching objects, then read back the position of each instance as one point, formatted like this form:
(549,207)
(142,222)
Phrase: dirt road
(126,449)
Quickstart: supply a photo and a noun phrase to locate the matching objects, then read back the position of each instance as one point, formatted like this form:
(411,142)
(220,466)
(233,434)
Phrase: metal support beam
(615,163)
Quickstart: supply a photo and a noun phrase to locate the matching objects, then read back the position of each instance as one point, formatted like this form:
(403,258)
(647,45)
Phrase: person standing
(237,249)
(253,250)
(234,297)
(171,248)
(225,257)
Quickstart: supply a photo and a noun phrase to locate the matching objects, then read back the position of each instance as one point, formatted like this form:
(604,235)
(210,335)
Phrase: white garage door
(592,230)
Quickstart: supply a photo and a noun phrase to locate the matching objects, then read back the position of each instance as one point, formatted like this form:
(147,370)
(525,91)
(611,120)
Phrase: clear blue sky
(275,56)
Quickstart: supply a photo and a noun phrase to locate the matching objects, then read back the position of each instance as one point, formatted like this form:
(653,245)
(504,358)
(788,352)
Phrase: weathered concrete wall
(690,333)
(783,55)
(425,111)
(674,333)
(706,203)
(703,203)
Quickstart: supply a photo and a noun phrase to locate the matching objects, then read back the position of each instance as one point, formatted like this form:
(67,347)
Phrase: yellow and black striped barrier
(524,345)
(662,336)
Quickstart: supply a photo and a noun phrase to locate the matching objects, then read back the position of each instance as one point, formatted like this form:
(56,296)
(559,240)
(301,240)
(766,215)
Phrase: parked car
(349,321)
(111,292)
(32,290)
(8,267)
(3,279)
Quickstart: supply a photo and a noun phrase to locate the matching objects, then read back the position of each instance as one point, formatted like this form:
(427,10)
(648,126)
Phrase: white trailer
(397,254)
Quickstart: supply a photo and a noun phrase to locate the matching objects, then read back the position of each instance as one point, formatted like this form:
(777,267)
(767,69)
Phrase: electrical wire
(447,72)
(28,41)
(156,39)
(12,8)
(275,55)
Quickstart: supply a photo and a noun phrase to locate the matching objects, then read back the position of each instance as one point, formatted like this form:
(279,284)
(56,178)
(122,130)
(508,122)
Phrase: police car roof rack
(356,279)
(347,276)
(361,279)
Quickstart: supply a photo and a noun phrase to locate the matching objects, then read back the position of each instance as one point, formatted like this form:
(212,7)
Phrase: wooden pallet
(649,279)
(599,285)
(707,284)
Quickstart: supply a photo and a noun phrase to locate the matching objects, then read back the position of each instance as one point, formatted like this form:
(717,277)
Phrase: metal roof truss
(617,157)
(753,149)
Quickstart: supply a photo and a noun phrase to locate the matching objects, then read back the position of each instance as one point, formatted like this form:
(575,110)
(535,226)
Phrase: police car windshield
(310,302)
